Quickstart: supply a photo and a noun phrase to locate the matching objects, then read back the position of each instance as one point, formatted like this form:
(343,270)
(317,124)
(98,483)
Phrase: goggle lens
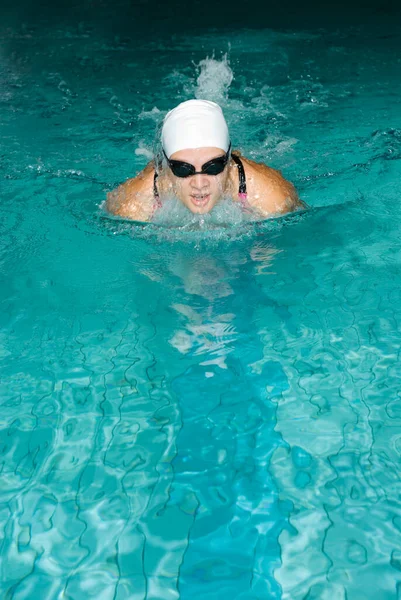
(212,167)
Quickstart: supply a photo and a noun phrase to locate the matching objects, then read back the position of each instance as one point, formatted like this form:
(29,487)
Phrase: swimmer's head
(196,133)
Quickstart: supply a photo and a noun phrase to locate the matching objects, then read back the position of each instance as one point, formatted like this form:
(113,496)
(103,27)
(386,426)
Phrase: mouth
(200,199)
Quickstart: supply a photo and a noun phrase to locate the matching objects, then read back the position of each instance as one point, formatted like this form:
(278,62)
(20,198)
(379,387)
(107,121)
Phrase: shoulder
(134,198)
(268,191)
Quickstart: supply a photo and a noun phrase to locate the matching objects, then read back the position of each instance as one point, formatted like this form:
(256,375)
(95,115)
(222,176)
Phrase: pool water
(200,408)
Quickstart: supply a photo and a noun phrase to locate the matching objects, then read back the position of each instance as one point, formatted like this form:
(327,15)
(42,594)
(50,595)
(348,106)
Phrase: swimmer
(199,168)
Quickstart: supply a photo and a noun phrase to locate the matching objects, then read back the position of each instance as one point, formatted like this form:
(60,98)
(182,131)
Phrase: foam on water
(174,223)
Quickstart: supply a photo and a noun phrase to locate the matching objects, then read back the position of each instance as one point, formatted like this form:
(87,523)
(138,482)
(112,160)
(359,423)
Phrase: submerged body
(267,192)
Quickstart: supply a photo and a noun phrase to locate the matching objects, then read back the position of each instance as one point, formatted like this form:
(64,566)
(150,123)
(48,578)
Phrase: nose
(199,181)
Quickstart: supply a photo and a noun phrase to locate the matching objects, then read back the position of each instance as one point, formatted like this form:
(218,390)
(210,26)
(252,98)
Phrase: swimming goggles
(211,167)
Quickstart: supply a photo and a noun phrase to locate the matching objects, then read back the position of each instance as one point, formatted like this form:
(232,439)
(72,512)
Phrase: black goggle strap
(241,174)
(155,190)
(158,166)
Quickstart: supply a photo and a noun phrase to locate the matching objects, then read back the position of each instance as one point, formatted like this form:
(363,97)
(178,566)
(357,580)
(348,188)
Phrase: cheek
(179,186)
(183,187)
(219,184)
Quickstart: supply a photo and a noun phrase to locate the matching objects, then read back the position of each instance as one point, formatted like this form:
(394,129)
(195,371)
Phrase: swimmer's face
(201,192)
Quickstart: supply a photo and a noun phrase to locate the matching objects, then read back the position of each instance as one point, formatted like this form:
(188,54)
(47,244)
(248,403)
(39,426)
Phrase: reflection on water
(136,430)
(227,434)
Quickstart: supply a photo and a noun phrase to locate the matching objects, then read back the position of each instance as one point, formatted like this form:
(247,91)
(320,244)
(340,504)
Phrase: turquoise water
(200,409)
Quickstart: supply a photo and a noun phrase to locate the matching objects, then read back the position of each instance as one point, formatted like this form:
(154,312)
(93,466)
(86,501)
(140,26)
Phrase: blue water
(193,408)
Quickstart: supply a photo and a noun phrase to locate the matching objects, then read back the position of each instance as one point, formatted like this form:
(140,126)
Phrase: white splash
(144,150)
(153,114)
(214,79)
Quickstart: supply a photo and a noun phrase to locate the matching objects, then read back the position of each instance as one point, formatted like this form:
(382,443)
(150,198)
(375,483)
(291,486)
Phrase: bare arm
(268,191)
(280,196)
(134,198)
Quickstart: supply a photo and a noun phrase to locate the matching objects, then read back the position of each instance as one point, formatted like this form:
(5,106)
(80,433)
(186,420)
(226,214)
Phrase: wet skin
(268,192)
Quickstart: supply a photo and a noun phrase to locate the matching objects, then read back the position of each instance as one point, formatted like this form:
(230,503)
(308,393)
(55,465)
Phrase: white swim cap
(195,124)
